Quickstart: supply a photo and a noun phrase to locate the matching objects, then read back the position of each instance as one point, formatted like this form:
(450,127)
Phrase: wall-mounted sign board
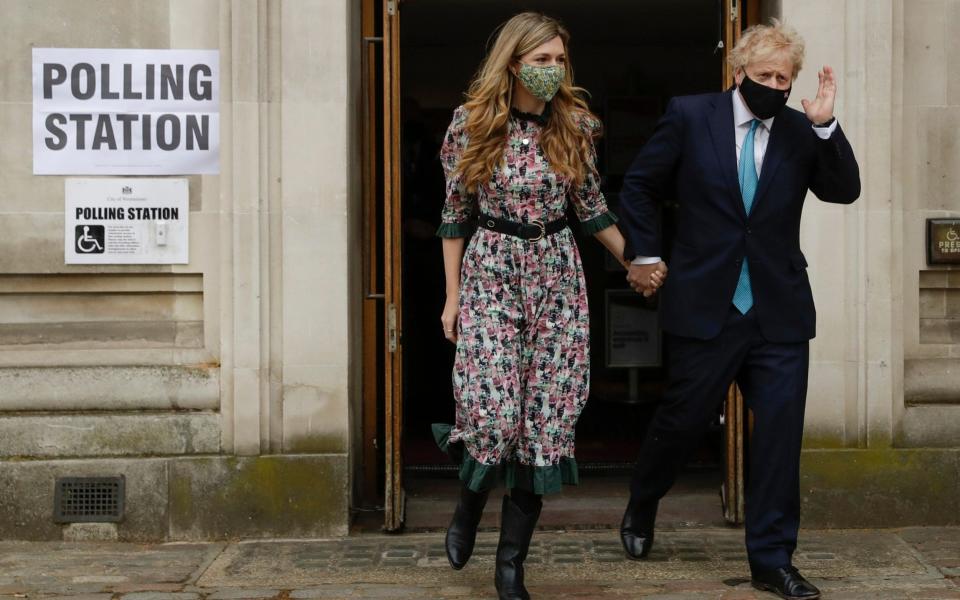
(126,111)
(943,241)
(126,221)
(633,330)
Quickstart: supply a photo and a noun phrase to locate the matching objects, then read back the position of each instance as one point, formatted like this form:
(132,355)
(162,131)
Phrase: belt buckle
(543,230)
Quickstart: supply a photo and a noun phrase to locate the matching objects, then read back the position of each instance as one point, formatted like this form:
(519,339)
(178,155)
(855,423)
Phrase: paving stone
(357,563)
(695,586)
(161,596)
(673,597)
(242,594)
(125,588)
(389,591)
(455,591)
(333,591)
(935,594)
(103,596)
(568,560)
(13,589)
(871,595)
(399,554)
(610,558)
(67,589)
(101,579)
(687,564)
(740,595)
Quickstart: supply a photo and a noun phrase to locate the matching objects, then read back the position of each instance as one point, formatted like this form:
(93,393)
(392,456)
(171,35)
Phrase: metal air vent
(88,499)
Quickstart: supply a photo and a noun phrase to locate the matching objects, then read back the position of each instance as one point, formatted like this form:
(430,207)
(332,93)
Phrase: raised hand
(820,109)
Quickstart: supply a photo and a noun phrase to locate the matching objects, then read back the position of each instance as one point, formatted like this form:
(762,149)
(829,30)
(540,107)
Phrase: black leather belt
(532,231)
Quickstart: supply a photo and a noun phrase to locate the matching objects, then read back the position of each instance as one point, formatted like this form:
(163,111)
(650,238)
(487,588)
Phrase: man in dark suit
(737,304)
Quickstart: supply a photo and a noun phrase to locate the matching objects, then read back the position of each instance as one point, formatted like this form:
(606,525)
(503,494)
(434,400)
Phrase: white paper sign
(126,111)
(126,221)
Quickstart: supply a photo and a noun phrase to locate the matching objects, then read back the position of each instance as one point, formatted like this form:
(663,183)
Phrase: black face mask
(764,102)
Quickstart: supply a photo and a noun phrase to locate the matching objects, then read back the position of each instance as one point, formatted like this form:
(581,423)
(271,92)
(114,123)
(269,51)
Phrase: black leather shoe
(462,533)
(636,530)
(786,582)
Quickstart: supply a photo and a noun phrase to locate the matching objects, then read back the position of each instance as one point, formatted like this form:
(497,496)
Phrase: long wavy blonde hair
(567,137)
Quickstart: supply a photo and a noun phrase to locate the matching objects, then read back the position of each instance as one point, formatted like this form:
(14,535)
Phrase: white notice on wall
(125,111)
(126,221)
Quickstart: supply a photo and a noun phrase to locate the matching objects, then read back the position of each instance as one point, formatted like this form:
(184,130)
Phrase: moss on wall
(229,497)
(331,443)
(880,488)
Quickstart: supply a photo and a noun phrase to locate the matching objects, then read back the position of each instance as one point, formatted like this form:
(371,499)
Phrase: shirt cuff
(824,133)
(645,260)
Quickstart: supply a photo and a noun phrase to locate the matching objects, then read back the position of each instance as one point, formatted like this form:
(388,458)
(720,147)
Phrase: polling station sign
(126,111)
(126,221)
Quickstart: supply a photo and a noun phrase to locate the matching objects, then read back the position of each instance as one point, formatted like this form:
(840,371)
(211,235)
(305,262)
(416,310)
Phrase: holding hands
(647,279)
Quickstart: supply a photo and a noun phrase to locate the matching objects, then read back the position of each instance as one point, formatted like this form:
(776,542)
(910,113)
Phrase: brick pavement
(910,564)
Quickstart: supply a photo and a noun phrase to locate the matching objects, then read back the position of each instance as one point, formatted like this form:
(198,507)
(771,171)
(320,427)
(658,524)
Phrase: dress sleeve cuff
(455,230)
(598,223)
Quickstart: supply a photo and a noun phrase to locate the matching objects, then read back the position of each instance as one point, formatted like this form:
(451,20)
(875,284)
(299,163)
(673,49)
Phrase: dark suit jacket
(692,157)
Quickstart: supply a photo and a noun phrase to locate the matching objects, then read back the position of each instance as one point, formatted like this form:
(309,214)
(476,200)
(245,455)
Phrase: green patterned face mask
(542,82)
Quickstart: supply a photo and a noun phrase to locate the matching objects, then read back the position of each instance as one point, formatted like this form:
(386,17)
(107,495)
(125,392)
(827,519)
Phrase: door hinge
(392,328)
(734,10)
(391,7)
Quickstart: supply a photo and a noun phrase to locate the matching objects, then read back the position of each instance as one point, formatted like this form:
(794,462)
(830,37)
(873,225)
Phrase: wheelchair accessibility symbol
(89,239)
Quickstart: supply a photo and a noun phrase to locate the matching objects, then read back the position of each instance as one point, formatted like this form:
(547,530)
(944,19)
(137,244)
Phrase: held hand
(820,110)
(647,279)
(448,319)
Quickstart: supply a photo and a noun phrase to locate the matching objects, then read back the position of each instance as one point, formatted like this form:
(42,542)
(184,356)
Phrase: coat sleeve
(646,183)
(458,208)
(836,174)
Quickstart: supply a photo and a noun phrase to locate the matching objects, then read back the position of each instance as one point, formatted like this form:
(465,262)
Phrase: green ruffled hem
(599,223)
(455,230)
(479,477)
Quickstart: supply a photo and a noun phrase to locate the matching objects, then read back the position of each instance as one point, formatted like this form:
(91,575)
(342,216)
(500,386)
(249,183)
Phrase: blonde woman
(517,153)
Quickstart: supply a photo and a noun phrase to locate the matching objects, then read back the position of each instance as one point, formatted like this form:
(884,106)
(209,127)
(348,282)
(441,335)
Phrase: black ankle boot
(516,529)
(462,533)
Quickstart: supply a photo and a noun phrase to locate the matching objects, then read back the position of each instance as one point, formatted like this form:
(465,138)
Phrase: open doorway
(632,57)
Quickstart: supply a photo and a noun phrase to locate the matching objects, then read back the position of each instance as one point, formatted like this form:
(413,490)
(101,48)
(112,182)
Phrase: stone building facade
(227,391)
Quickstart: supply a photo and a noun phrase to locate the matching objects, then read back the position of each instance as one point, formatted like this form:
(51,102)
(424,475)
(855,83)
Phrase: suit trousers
(773,379)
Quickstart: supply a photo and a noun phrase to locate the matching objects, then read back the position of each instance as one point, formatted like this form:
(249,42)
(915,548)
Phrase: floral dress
(522,369)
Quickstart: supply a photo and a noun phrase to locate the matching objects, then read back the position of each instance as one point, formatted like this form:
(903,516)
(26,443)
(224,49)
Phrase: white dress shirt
(742,118)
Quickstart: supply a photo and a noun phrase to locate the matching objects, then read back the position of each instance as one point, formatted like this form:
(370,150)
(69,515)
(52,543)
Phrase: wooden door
(372,304)
(393,368)
(737,14)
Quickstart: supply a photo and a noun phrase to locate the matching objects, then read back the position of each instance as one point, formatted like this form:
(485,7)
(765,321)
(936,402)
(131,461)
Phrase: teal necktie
(747,174)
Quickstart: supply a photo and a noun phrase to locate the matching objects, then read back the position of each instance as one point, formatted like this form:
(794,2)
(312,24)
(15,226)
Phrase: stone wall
(883,417)
(929,155)
(168,374)
(883,371)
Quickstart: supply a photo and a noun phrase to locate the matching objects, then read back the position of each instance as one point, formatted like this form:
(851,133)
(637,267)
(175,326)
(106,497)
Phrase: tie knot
(754,124)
